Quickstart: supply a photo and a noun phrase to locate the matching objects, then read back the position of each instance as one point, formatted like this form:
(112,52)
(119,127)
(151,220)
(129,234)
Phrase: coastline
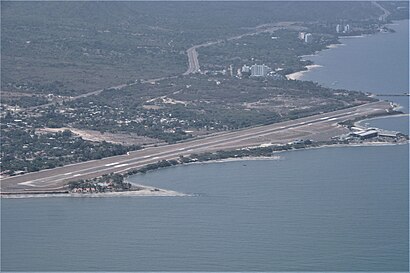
(299,74)
(149,191)
(146,191)
(277,155)
(334,46)
(360,124)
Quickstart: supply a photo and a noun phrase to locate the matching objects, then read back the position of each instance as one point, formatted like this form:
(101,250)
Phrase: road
(385,14)
(97,92)
(193,62)
(317,127)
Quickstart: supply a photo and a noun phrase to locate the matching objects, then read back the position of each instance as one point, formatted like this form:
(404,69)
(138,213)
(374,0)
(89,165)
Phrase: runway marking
(121,165)
(77,174)
(324,118)
(67,173)
(146,156)
(29,183)
(155,157)
(332,119)
(111,164)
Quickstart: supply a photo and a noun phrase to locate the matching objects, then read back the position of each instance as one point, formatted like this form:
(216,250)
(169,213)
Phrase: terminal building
(366,134)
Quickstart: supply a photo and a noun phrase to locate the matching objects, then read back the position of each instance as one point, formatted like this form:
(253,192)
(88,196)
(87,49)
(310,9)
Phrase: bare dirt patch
(120,138)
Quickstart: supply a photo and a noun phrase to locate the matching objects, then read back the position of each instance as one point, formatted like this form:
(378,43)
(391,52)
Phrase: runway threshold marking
(121,165)
(28,183)
(111,164)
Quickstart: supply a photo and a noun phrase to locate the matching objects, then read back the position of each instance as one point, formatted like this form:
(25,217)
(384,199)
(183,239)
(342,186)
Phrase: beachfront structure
(258,70)
(238,72)
(246,69)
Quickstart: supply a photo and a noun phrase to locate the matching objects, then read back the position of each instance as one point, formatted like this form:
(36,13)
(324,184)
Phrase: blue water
(320,210)
(378,64)
(394,123)
(384,56)
(331,209)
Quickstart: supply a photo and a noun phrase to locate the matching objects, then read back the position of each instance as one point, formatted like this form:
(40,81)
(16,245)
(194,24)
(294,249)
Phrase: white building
(301,35)
(230,69)
(258,70)
(338,28)
(246,69)
(346,28)
(308,38)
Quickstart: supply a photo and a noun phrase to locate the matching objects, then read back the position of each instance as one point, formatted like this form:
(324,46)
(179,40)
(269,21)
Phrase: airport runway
(318,127)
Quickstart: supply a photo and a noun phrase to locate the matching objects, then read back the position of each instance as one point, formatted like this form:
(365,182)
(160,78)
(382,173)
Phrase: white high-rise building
(338,28)
(346,28)
(258,70)
(230,69)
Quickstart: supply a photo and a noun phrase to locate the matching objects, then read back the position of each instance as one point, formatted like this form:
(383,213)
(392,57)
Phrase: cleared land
(317,127)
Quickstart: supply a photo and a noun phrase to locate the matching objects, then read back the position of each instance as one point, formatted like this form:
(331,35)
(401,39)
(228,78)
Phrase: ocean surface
(377,63)
(321,210)
(328,209)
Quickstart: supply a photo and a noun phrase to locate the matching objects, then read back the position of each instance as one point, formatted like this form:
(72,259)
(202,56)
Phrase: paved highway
(193,62)
(385,14)
(318,127)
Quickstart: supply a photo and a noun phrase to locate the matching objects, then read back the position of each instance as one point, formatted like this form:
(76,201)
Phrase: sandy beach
(334,46)
(298,75)
(146,191)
